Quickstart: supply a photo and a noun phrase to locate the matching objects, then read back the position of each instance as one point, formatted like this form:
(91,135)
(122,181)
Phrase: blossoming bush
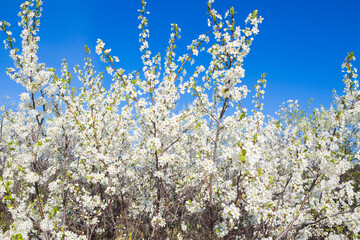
(128,163)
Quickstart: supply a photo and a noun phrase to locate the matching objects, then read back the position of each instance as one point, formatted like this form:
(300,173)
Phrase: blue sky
(301,44)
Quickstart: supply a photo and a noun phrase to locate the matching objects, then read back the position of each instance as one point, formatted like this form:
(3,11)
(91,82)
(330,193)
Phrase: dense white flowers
(128,162)
(157,220)
(154,144)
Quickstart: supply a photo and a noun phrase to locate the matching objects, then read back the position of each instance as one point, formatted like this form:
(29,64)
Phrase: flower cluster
(127,163)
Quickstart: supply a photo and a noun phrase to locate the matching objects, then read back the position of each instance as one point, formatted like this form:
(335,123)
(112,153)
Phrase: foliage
(126,163)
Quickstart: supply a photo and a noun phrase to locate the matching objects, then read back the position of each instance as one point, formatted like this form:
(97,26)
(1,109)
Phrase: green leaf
(254,14)
(242,158)
(350,56)
(242,115)
(87,49)
(17,237)
(21,169)
(272,179)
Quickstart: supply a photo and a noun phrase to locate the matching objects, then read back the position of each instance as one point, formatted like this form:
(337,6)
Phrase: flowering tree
(126,163)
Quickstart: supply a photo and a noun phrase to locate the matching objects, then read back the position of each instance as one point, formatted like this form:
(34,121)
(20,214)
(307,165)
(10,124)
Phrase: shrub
(127,163)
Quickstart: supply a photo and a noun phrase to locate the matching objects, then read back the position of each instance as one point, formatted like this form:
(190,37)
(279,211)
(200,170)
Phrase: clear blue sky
(301,44)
